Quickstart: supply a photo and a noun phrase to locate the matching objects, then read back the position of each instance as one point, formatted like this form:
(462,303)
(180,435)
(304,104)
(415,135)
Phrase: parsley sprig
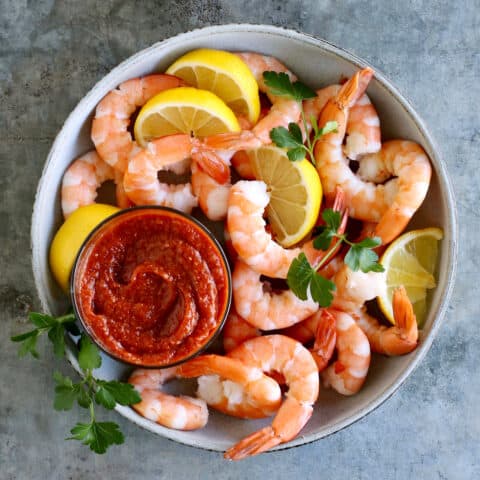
(280,85)
(303,278)
(87,392)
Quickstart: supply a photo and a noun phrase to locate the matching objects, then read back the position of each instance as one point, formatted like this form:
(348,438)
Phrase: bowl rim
(436,158)
(188,219)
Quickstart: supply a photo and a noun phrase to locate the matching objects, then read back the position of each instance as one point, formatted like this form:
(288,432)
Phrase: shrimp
(321,327)
(241,163)
(347,374)
(181,413)
(266,310)
(282,112)
(391,205)
(286,356)
(141,182)
(110,134)
(398,339)
(212,195)
(236,330)
(82,179)
(255,246)
(232,387)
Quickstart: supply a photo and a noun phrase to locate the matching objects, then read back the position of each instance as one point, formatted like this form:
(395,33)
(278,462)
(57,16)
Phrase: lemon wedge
(70,237)
(295,193)
(184,110)
(224,74)
(410,261)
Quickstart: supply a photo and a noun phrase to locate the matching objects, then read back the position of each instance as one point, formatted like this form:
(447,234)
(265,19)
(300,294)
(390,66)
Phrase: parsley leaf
(29,343)
(111,392)
(98,435)
(280,85)
(284,138)
(66,392)
(88,356)
(321,290)
(296,154)
(362,258)
(56,335)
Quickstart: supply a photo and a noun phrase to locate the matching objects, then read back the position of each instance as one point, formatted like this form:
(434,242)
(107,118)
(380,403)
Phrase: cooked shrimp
(282,112)
(110,134)
(212,195)
(286,356)
(232,387)
(81,181)
(255,246)
(347,374)
(398,339)
(321,327)
(266,310)
(181,413)
(236,330)
(391,205)
(241,163)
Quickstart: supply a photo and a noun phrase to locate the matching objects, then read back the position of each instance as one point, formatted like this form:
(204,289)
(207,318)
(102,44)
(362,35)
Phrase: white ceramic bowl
(317,63)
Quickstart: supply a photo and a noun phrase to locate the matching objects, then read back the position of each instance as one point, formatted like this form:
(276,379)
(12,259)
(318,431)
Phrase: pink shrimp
(110,134)
(347,374)
(286,356)
(391,205)
(181,413)
(266,310)
(255,246)
(236,330)
(282,112)
(82,179)
(398,339)
(232,387)
(141,181)
(241,163)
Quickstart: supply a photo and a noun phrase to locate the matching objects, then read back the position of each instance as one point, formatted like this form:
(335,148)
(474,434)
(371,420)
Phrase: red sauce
(151,287)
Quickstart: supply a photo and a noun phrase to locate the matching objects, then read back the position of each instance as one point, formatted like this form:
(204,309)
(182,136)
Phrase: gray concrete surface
(51,54)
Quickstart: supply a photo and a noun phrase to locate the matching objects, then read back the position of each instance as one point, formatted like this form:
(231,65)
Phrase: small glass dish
(151,286)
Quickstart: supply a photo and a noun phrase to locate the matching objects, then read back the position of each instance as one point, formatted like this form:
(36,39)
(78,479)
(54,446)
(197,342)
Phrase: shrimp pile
(311,347)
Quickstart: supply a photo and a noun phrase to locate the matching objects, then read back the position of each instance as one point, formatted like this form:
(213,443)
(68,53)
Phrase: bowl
(133,241)
(333,412)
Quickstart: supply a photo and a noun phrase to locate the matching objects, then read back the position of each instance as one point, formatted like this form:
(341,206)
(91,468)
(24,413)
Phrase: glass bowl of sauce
(151,286)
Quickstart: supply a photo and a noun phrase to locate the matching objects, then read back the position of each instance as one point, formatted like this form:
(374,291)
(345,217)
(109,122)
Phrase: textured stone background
(52,53)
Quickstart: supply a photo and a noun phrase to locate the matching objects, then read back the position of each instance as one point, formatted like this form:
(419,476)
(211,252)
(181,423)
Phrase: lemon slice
(410,261)
(224,74)
(295,193)
(184,110)
(70,237)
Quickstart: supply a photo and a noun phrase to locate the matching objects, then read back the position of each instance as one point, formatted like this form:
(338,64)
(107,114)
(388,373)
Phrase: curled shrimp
(398,339)
(236,330)
(110,134)
(82,179)
(254,245)
(391,205)
(282,112)
(266,310)
(347,373)
(232,387)
(278,353)
(141,178)
(181,413)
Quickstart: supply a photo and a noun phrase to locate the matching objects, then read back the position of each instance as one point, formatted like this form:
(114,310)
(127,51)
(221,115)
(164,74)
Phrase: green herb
(303,277)
(279,84)
(88,391)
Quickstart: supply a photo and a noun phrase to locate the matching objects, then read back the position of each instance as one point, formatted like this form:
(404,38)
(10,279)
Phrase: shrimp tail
(405,318)
(325,340)
(352,90)
(254,444)
(212,165)
(233,141)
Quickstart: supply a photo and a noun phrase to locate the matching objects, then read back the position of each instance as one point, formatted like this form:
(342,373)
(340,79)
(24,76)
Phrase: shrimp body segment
(398,339)
(110,134)
(266,310)
(236,330)
(281,354)
(232,387)
(347,374)
(180,413)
